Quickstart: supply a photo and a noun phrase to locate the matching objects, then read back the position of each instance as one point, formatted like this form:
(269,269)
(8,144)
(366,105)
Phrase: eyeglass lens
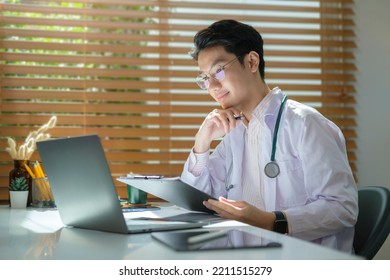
(203,80)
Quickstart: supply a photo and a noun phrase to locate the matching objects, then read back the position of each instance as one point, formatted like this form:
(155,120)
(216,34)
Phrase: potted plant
(18,192)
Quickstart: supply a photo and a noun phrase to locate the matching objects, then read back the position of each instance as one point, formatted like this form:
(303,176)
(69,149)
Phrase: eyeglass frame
(200,80)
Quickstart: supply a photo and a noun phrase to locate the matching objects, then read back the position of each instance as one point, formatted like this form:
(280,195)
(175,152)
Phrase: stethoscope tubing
(271,169)
(276,129)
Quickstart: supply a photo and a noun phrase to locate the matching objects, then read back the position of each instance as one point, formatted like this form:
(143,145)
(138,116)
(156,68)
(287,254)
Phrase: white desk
(39,234)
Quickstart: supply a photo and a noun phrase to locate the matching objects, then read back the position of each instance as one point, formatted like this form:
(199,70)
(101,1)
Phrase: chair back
(373,222)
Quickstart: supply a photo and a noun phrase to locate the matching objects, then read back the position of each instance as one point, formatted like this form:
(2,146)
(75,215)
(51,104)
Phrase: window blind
(121,69)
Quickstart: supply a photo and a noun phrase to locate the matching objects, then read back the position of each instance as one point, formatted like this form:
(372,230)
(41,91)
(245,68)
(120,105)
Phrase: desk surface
(39,234)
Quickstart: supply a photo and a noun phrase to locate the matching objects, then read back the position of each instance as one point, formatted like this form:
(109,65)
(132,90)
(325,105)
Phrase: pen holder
(136,196)
(42,197)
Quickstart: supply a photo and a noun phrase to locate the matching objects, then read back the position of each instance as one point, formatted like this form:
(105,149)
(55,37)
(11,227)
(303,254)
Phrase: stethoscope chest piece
(272,169)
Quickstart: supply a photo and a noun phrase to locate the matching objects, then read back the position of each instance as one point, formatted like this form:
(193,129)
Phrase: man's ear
(254,61)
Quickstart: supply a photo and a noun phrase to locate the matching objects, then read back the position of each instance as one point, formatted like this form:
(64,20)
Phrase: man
(281,165)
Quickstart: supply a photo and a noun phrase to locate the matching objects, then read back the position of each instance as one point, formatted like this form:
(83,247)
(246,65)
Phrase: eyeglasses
(203,80)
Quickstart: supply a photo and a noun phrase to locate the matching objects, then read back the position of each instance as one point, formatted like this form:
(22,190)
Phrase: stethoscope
(271,169)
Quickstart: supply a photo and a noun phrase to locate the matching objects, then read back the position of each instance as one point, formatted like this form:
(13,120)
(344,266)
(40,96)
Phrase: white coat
(315,187)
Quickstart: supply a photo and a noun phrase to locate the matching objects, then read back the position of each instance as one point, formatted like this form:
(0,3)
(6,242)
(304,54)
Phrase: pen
(145,177)
(205,237)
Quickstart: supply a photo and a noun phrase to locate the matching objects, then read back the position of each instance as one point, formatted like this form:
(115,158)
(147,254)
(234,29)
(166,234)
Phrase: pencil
(44,188)
(38,170)
(29,171)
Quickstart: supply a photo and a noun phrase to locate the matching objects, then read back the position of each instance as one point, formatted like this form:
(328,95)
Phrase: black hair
(235,37)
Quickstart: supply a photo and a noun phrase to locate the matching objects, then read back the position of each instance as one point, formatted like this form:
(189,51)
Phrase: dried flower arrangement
(24,151)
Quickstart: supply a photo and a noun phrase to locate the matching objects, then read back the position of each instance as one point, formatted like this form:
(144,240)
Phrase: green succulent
(19,184)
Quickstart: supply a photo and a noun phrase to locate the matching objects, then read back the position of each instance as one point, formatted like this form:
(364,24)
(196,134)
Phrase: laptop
(84,191)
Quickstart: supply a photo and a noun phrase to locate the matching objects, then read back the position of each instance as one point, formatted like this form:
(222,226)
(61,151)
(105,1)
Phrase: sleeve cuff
(198,162)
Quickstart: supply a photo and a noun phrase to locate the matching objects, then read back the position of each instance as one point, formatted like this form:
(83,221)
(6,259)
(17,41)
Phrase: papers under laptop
(84,191)
(178,193)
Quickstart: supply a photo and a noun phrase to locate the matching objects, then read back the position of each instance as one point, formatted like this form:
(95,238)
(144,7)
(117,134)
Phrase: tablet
(173,190)
(213,240)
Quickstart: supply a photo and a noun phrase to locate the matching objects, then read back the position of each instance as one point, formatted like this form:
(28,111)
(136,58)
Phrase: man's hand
(241,211)
(217,124)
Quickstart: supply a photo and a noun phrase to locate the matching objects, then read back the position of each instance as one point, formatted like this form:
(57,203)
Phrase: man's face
(230,90)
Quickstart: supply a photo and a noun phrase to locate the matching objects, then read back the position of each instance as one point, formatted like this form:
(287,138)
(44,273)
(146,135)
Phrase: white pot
(18,199)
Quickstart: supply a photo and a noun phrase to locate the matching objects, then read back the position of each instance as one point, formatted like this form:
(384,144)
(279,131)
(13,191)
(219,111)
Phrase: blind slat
(112,73)
(167,28)
(159,62)
(135,97)
(129,13)
(132,49)
(109,37)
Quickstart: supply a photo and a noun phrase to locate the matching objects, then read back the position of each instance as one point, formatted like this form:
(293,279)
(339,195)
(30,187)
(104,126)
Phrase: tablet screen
(213,240)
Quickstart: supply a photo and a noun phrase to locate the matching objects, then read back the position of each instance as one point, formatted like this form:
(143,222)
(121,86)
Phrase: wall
(373,96)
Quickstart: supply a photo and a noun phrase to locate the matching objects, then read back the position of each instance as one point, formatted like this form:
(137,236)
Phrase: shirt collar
(268,104)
